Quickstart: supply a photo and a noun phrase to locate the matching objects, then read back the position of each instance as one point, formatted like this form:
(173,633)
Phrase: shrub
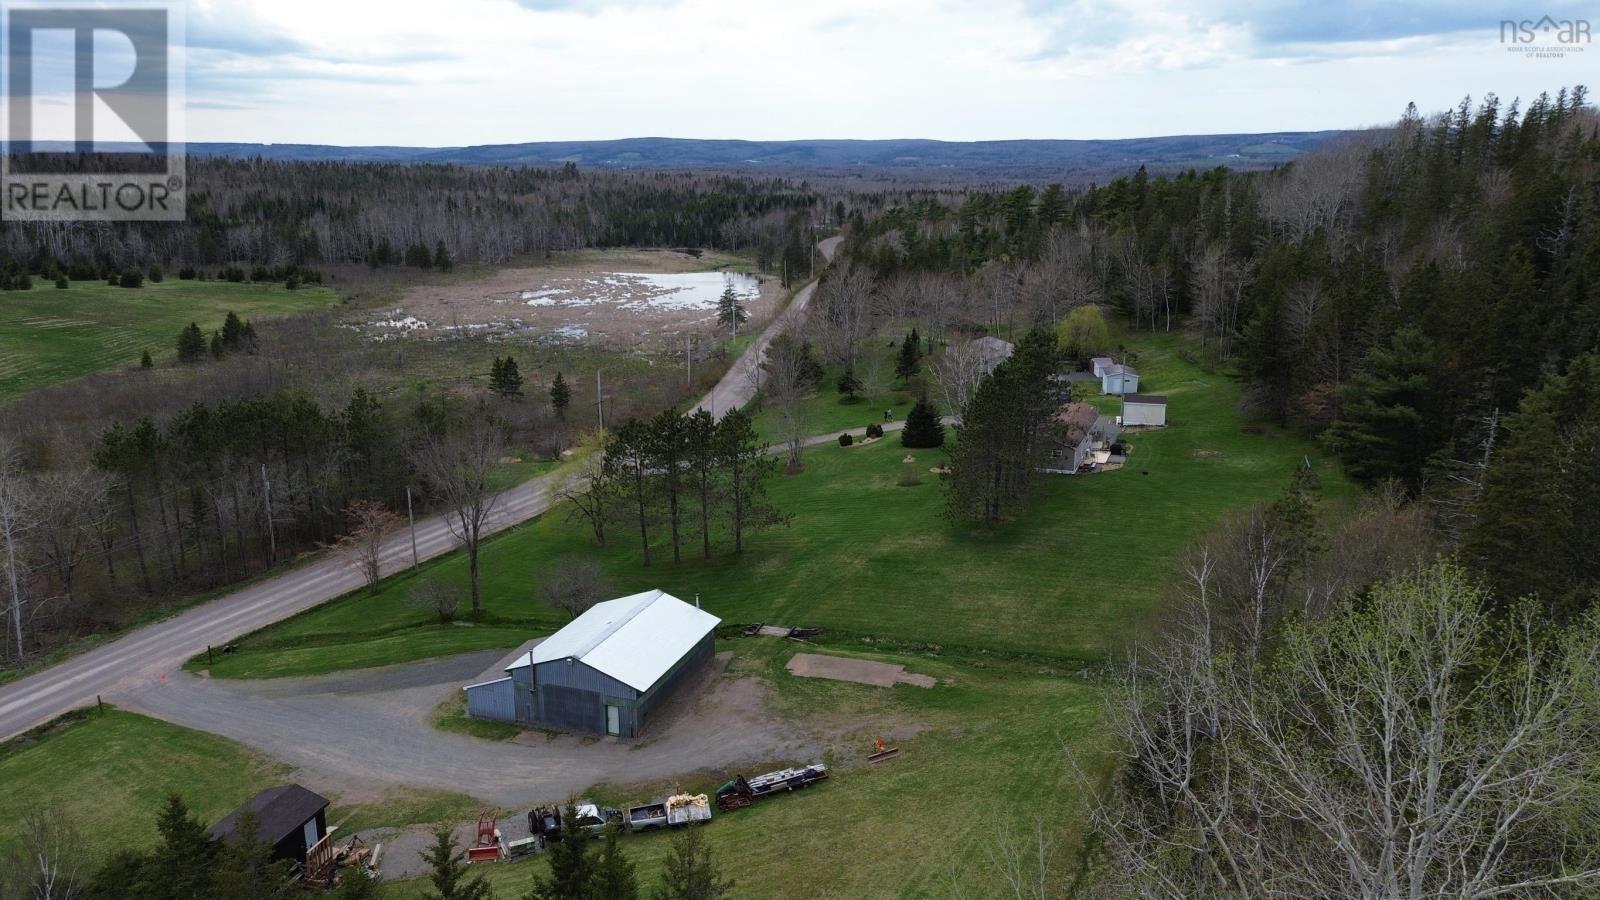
(874,430)
(131,279)
(155,275)
(61,282)
(846,440)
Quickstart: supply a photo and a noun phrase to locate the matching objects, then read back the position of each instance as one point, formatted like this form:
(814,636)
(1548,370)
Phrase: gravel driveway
(357,734)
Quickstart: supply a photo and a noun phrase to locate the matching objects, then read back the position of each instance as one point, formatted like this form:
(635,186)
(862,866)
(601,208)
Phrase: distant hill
(1234,150)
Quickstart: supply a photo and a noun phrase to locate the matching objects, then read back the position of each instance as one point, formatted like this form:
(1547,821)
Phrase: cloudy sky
(499,71)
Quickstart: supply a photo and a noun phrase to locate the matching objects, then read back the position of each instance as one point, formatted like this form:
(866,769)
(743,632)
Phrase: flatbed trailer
(741,791)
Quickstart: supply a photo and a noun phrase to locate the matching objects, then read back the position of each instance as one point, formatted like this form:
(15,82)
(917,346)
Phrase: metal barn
(606,672)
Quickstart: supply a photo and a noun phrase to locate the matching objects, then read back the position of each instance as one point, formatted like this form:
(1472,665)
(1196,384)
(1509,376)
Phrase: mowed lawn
(109,775)
(983,758)
(1069,579)
(49,335)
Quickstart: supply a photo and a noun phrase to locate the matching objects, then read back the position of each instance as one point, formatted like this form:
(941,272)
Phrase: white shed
(1099,364)
(1144,409)
(1119,379)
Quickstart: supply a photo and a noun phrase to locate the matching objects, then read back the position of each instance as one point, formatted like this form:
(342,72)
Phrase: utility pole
(599,404)
(688,361)
(412,518)
(272,534)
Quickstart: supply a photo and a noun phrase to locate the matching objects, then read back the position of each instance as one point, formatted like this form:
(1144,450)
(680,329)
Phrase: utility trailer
(686,809)
(741,792)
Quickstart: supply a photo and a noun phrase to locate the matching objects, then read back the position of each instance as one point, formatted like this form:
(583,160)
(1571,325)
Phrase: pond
(653,291)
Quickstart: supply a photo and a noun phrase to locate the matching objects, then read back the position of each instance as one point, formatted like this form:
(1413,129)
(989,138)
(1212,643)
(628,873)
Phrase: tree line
(277,214)
(679,478)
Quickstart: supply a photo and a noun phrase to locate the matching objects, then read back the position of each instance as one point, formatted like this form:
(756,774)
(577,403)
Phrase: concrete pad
(860,671)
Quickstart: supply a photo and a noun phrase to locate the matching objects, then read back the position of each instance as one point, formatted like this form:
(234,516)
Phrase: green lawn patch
(1068,579)
(49,335)
(108,773)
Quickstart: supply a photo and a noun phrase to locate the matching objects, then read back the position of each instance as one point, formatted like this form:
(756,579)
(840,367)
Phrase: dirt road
(144,656)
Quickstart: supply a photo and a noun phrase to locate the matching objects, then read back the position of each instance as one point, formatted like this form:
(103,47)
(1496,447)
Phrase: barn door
(613,719)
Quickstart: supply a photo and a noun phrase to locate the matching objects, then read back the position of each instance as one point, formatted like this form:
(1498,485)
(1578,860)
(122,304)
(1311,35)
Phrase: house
(1099,364)
(1119,379)
(1079,431)
(606,672)
(289,817)
(992,351)
(1144,409)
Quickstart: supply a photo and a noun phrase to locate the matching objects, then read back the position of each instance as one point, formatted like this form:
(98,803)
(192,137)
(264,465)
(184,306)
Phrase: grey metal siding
(493,700)
(662,690)
(572,708)
(562,673)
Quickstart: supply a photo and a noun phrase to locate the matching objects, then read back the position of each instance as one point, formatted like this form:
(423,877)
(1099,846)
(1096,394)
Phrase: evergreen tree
(572,867)
(232,332)
(191,344)
(730,311)
(505,378)
(246,870)
(1540,513)
(442,260)
(923,428)
(614,876)
(145,362)
(61,282)
(448,874)
(690,872)
(746,467)
(1381,433)
(217,347)
(1001,441)
(849,384)
(181,864)
(910,360)
(560,396)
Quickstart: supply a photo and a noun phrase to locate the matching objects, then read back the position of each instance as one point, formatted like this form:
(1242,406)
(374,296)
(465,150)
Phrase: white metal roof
(634,639)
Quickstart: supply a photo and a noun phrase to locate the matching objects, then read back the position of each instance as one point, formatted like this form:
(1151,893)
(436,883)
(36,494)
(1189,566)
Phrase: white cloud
(500,71)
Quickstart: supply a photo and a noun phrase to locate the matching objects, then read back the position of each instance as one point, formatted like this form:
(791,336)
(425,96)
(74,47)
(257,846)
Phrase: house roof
(1078,419)
(1154,399)
(1119,369)
(1102,359)
(280,811)
(634,639)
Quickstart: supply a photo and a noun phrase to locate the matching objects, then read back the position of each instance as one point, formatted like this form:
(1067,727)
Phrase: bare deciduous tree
(957,369)
(46,860)
(17,518)
(456,463)
(573,584)
(433,595)
(1406,746)
(369,522)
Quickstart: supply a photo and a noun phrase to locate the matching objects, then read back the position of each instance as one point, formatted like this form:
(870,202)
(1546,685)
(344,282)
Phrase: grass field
(49,335)
(110,773)
(988,757)
(1069,579)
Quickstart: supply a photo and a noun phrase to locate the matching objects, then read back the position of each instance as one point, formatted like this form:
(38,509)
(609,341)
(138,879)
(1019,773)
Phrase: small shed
(1144,409)
(992,351)
(1099,364)
(289,817)
(606,672)
(1119,379)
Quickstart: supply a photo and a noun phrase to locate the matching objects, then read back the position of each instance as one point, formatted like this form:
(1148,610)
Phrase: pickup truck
(647,816)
